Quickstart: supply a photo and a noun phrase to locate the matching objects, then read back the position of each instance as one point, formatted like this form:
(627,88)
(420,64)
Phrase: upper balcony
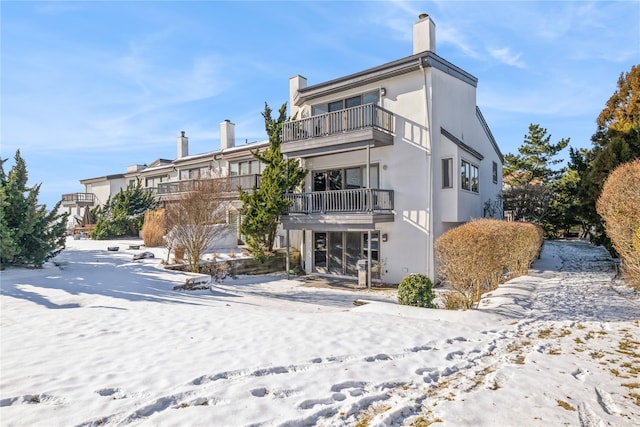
(78,199)
(230,184)
(349,129)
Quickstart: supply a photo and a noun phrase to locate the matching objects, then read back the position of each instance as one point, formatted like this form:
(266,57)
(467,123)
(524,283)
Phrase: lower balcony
(355,209)
(78,199)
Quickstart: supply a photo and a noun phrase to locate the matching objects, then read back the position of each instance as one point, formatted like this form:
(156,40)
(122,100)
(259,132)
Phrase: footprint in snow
(580,374)
(587,417)
(607,403)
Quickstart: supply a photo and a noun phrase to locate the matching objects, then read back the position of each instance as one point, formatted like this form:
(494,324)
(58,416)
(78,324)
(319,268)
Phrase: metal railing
(230,183)
(87,198)
(349,119)
(355,201)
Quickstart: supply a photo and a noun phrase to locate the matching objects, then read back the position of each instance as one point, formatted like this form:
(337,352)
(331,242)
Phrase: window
(447,173)
(495,173)
(344,179)
(367,98)
(154,181)
(249,167)
(469,179)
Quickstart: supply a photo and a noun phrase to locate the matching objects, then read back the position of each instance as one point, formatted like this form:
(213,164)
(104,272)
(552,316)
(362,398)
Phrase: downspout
(427,99)
(370,208)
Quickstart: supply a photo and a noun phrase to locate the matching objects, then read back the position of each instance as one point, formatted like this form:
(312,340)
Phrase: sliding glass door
(337,252)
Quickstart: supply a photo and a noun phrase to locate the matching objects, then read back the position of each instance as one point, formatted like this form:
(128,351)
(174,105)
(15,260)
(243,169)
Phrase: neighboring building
(170,178)
(397,155)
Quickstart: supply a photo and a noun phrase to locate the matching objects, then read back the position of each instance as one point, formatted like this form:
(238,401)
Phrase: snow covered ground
(102,340)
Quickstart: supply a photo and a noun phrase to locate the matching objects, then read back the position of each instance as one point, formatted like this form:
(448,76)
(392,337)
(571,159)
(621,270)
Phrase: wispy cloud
(505,56)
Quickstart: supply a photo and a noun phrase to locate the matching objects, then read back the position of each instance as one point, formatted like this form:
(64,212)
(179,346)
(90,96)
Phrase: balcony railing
(341,201)
(231,183)
(84,199)
(336,122)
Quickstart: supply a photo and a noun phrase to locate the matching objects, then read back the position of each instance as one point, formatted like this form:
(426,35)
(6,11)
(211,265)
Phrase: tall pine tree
(533,182)
(263,206)
(30,235)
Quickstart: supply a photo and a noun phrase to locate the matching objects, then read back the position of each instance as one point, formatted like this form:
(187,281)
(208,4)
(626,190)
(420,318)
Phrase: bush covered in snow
(416,290)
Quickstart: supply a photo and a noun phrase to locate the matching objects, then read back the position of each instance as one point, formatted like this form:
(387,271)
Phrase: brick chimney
(183,145)
(424,35)
(227,134)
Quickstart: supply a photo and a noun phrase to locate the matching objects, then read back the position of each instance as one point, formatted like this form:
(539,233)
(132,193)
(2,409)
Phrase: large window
(469,176)
(367,98)
(447,173)
(345,179)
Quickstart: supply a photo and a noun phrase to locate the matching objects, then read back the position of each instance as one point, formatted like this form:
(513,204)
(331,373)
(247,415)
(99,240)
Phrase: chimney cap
(423,16)
(182,133)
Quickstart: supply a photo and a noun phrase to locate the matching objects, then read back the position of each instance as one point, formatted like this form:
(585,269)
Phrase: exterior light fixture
(384,237)
(383,91)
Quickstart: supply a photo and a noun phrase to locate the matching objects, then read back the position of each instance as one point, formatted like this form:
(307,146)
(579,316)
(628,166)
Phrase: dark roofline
(485,126)
(461,144)
(384,71)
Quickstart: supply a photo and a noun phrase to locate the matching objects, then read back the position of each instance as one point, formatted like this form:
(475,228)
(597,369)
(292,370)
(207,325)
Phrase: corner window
(469,179)
(447,173)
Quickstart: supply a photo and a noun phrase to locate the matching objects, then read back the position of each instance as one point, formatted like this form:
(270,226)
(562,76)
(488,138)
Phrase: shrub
(416,290)
(453,300)
(473,257)
(619,207)
(154,228)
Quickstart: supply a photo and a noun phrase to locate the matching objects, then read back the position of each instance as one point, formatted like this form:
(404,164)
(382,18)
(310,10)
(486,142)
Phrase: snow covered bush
(416,290)
(619,207)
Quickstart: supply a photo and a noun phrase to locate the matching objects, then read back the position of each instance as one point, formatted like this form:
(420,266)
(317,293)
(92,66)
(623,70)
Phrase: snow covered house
(397,155)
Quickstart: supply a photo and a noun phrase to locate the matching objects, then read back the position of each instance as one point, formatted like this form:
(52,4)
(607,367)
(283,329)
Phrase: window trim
(470,175)
(447,180)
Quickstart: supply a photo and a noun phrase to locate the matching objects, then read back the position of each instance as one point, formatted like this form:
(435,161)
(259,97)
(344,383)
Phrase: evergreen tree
(263,206)
(30,235)
(534,163)
(123,214)
(532,183)
(616,141)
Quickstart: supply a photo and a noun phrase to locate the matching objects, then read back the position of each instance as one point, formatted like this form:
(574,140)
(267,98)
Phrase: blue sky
(91,87)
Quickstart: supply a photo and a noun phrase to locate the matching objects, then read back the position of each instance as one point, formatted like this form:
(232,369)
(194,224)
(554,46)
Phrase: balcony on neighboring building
(344,130)
(350,209)
(78,199)
(229,185)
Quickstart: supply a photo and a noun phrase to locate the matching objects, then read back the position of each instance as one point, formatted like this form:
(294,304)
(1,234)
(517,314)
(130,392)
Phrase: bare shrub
(521,243)
(453,300)
(197,218)
(619,207)
(154,228)
(473,257)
